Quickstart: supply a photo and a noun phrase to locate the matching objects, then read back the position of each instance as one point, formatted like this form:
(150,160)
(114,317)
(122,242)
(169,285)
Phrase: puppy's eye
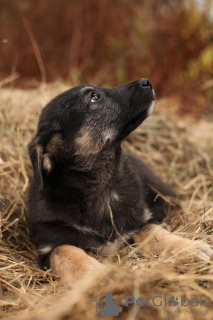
(95,97)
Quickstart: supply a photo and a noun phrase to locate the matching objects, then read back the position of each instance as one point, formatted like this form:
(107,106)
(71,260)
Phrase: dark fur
(80,169)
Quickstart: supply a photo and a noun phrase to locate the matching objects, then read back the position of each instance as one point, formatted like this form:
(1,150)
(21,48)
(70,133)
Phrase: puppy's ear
(42,162)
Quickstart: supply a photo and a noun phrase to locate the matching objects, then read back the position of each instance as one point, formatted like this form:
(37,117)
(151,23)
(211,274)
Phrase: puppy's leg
(158,241)
(71,263)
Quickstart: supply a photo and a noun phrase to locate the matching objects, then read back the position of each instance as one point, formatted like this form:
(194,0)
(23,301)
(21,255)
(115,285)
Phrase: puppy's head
(82,122)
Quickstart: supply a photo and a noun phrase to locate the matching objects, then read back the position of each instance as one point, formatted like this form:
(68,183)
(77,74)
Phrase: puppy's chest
(110,210)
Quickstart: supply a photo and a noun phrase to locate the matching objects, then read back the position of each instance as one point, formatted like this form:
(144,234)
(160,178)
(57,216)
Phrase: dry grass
(177,149)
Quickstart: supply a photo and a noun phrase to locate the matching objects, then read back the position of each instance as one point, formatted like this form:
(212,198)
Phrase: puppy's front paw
(156,241)
(187,250)
(71,264)
(205,252)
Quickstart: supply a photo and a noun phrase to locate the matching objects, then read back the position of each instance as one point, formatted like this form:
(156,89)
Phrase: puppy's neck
(104,162)
(86,178)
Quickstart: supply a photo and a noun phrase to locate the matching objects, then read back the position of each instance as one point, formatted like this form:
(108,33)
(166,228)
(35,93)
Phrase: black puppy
(86,190)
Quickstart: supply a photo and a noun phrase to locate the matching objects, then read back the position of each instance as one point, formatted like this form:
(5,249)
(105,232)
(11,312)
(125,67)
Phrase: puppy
(87,193)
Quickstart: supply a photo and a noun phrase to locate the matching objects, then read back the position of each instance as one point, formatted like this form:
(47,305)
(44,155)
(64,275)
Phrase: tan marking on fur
(157,241)
(114,196)
(86,143)
(147,215)
(45,249)
(108,134)
(71,263)
(39,150)
(85,229)
(47,163)
(56,144)
(87,88)
(110,248)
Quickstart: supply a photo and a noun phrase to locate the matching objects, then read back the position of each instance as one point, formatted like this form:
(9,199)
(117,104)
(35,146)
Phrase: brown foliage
(109,42)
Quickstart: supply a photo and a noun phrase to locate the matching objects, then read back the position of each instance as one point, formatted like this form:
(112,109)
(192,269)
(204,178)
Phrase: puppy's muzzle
(144,82)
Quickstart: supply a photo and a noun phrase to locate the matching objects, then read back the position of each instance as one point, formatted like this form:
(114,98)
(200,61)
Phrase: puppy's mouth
(151,107)
(138,119)
(153,98)
(134,122)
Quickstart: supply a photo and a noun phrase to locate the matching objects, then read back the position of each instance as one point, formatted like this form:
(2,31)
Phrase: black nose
(146,83)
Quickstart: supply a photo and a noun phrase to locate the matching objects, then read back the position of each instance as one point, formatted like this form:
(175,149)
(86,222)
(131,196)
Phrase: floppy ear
(42,162)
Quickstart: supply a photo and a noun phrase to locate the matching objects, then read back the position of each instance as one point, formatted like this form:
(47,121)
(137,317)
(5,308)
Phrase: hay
(177,149)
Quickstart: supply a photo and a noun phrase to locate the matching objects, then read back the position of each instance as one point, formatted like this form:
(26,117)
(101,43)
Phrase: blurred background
(111,42)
